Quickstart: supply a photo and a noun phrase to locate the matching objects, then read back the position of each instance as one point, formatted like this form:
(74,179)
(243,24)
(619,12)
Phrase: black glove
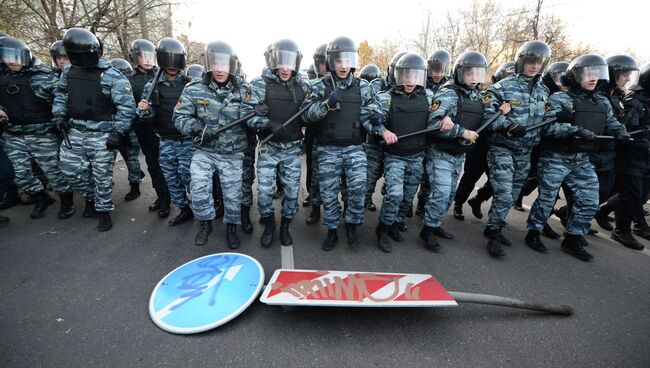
(585,134)
(202,134)
(377,119)
(514,130)
(645,134)
(564,116)
(61,124)
(261,110)
(622,137)
(125,140)
(114,140)
(335,98)
(274,126)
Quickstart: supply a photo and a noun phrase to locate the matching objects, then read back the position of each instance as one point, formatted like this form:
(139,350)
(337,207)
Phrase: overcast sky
(249,26)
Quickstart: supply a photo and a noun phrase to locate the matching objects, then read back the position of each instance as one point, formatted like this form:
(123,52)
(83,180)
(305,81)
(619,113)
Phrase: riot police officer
(123,66)
(59,58)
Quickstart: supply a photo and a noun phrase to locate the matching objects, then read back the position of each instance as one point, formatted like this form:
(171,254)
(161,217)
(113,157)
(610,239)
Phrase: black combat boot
(40,205)
(534,242)
(331,240)
(441,233)
(382,238)
(353,236)
(627,239)
(105,222)
(185,215)
(430,241)
(641,228)
(497,235)
(231,236)
(133,193)
(458,212)
(269,229)
(165,201)
(602,216)
(314,216)
(11,198)
(548,232)
(246,224)
(285,236)
(393,232)
(205,228)
(89,209)
(494,245)
(401,226)
(572,245)
(67,206)
(475,205)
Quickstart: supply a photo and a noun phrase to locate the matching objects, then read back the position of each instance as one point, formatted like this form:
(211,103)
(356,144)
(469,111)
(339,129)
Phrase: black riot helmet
(145,49)
(122,65)
(219,56)
(83,48)
(57,50)
(552,77)
(267,55)
(194,71)
(170,53)
(285,54)
(390,71)
(14,51)
(470,67)
(369,72)
(311,72)
(586,68)
(532,52)
(505,70)
(643,79)
(621,65)
(342,51)
(411,69)
(439,61)
(319,57)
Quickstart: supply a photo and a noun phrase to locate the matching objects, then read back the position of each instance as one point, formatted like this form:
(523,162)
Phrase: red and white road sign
(354,289)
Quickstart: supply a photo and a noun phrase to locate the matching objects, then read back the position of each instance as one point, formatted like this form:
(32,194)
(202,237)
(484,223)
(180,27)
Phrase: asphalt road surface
(73,297)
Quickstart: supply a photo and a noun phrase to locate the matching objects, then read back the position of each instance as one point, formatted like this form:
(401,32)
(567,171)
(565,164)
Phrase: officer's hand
(389,137)
(470,135)
(274,126)
(144,105)
(564,116)
(377,119)
(622,136)
(4,119)
(197,129)
(61,124)
(514,130)
(335,98)
(505,108)
(446,124)
(261,110)
(586,134)
(113,141)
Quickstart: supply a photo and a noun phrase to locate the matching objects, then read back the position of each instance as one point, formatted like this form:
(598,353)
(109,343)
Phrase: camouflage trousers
(443,170)
(402,175)
(579,175)
(333,163)
(131,158)
(175,161)
(44,149)
(314,191)
(508,172)
(375,155)
(282,158)
(88,166)
(248,175)
(229,166)
(425,189)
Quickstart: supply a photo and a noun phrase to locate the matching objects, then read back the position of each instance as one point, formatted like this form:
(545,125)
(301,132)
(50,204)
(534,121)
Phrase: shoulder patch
(127,88)
(497,85)
(435,105)
(248,95)
(487,98)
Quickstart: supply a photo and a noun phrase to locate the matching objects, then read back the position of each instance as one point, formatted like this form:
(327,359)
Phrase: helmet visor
(557,78)
(625,77)
(344,60)
(282,59)
(10,55)
(146,57)
(471,74)
(440,67)
(410,77)
(531,59)
(169,60)
(590,73)
(220,62)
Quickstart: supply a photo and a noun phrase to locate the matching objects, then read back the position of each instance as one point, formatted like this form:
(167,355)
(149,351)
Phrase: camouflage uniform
(277,156)
(215,107)
(88,137)
(131,156)
(374,152)
(336,160)
(26,139)
(509,158)
(175,149)
(573,168)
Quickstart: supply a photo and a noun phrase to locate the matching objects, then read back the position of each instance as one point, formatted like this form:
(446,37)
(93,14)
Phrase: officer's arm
(556,103)
(366,101)
(60,104)
(259,90)
(496,95)
(249,100)
(613,126)
(122,96)
(381,106)
(44,85)
(446,101)
(148,115)
(185,113)
(318,110)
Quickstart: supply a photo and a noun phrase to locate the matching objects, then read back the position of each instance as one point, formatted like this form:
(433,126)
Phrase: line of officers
(417,127)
